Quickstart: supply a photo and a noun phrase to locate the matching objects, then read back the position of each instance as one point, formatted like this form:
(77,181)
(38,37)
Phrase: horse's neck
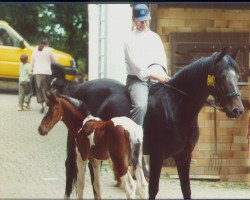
(193,82)
(69,87)
(72,118)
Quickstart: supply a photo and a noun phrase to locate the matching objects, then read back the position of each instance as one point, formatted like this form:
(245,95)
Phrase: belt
(132,76)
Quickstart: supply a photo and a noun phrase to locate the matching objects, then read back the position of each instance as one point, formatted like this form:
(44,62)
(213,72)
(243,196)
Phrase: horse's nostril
(40,131)
(236,111)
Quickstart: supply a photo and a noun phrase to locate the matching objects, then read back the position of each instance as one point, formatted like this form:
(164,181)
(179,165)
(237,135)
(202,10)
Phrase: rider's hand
(161,79)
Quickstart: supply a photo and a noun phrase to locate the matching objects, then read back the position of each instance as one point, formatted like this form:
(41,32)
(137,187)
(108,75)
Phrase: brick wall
(199,20)
(232,161)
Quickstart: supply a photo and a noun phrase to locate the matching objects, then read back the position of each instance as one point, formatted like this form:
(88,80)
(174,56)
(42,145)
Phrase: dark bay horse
(170,125)
(97,140)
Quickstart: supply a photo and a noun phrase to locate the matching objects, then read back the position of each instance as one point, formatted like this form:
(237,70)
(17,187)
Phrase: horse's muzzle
(235,112)
(41,131)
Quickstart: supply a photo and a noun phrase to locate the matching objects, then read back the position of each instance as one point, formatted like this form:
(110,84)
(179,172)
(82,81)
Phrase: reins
(210,82)
(210,103)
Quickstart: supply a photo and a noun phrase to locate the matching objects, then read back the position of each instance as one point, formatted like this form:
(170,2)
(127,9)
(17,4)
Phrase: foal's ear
(235,54)
(221,55)
(50,95)
(47,93)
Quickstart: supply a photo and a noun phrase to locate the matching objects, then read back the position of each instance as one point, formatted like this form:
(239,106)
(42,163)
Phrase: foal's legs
(81,166)
(129,185)
(142,184)
(183,168)
(156,161)
(96,183)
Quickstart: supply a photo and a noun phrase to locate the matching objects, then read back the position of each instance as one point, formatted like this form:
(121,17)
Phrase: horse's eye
(50,111)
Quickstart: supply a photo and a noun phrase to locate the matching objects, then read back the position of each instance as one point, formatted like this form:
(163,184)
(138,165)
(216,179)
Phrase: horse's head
(57,84)
(223,79)
(53,115)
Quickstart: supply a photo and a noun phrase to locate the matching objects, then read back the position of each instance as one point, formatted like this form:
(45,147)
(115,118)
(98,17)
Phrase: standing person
(42,58)
(24,85)
(144,58)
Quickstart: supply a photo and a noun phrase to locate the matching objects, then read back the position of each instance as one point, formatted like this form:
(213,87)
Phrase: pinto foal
(119,139)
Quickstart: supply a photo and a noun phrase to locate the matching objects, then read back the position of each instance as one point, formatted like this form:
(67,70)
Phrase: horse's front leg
(183,168)
(156,161)
(81,166)
(71,168)
(96,183)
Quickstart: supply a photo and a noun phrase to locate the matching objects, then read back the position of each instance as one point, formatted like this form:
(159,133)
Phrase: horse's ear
(221,55)
(47,93)
(50,95)
(53,97)
(235,54)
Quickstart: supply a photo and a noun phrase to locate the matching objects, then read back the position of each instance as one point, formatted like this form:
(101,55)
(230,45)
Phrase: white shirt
(41,61)
(24,72)
(142,49)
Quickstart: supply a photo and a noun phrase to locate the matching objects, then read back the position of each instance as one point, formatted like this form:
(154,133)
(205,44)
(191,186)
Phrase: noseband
(211,82)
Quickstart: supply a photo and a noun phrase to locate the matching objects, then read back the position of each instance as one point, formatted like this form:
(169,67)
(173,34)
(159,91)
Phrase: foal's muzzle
(41,131)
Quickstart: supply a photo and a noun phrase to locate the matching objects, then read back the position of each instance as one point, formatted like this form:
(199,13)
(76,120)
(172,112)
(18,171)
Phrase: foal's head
(60,108)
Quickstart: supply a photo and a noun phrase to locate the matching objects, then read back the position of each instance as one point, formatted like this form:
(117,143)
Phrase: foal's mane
(71,100)
(79,105)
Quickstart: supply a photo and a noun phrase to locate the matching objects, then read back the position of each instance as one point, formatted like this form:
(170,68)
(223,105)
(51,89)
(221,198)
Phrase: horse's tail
(135,154)
(70,164)
(135,135)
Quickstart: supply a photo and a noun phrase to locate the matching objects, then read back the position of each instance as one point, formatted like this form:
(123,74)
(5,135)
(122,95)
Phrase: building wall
(199,20)
(118,26)
(233,162)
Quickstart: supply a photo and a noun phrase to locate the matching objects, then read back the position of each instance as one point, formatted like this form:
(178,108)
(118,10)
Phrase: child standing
(24,86)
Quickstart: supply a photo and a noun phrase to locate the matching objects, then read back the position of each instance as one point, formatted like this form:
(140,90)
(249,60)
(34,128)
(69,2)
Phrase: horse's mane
(205,65)
(199,65)
(80,105)
(71,100)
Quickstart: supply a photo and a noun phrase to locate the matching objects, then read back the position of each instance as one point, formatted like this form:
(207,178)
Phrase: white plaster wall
(118,27)
(93,41)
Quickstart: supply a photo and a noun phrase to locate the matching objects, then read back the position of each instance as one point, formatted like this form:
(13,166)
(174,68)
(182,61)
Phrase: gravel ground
(32,166)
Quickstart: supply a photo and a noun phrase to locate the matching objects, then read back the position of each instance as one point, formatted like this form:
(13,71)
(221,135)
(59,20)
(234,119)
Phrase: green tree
(24,19)
(66,26)
(72,29)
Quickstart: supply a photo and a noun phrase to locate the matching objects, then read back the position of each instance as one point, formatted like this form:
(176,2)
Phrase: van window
(7,39)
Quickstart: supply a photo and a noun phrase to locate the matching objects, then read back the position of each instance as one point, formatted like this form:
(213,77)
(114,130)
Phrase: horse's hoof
(118,183)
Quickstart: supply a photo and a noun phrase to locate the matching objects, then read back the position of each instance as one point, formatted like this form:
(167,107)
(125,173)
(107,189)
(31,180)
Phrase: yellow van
(12,46)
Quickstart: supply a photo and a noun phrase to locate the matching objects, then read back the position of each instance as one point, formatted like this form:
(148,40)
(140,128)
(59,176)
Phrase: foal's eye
(51,111)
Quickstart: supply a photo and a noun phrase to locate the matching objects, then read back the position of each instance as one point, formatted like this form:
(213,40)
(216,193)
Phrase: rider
(144,56)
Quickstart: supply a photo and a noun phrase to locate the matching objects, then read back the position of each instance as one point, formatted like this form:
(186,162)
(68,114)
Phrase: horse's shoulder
(154,88)
(156,92)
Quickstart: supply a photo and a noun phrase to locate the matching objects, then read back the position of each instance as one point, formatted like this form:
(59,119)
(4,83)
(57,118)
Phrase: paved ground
(32,166)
